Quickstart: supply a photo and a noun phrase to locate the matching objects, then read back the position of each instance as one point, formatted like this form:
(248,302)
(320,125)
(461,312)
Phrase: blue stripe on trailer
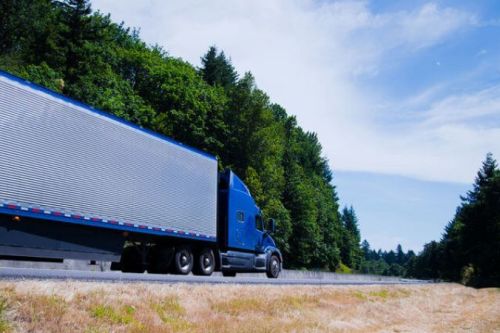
(15,209)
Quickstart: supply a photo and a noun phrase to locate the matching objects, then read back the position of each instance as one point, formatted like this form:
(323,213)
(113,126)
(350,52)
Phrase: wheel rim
(184,260)
(206,262)
(275,267)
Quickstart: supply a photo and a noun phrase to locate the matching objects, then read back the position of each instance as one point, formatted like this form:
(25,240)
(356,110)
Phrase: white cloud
(429,24)
(312,58)
(465,108)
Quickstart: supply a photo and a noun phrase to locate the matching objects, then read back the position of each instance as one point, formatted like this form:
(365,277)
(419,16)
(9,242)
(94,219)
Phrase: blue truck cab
(244,236)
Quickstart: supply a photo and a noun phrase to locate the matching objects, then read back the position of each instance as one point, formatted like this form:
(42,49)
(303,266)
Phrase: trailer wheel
(131,260)
(183,260)
(205,262)
(160,259)
(228,273)
(273,268)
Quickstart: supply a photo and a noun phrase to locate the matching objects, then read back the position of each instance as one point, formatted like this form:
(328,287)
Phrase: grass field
(41,306)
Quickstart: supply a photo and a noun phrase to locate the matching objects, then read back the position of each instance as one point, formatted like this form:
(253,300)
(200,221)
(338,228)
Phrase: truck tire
(228,273)
(160,260)
(131,260)
(273,267)
(183,260)
(205,262)
(115,266)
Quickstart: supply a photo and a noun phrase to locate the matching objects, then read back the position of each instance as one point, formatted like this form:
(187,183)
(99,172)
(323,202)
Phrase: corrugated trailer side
(62,160)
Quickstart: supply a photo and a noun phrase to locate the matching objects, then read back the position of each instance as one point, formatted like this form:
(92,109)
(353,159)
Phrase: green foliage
(28,29)
(64,46)
(350,253)
(188,109)
(78,33)
(377,267)
(310,198)
(469,251)
(392,263)
(343,269)
(41,74)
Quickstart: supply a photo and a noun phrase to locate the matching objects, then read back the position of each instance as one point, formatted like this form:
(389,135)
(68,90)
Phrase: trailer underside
(28,237)
(35,239)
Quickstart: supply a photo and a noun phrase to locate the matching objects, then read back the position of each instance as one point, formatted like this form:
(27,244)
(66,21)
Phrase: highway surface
(7,273)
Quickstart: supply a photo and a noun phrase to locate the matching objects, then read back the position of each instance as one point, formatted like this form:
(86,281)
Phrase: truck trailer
(80,183)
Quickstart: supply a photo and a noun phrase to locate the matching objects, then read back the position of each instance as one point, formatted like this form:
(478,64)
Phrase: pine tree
(350,249)
(365,247)
(217,69)
(478,221)
(483,178)
(350,221)
(469,251)
(400,255)
(78,21)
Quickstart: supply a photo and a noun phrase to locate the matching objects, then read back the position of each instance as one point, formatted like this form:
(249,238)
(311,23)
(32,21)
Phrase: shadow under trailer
(78,183)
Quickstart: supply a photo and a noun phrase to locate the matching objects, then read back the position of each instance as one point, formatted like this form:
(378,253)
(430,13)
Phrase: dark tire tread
(198,263)
(273,271)
(177,268)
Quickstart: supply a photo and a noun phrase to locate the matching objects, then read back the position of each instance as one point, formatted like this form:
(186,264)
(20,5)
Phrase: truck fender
(271,250)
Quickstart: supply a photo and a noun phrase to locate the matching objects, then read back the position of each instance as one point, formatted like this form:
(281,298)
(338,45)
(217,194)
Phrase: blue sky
(404,95)
(399,210)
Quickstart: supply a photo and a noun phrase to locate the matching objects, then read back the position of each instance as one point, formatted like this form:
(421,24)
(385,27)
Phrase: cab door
(242,233)
(258,232)
(240,227)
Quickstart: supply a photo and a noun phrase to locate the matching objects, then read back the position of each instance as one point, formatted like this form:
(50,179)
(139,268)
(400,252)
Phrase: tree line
(359,257)
(70,49)
(469,250)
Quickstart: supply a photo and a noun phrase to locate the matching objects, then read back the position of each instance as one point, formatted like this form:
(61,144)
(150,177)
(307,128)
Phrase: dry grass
(34,306)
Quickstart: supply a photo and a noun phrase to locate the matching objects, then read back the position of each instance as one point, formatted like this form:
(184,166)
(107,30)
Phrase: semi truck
(80,183)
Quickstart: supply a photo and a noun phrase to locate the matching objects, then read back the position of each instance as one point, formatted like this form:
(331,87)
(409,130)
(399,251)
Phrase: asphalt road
(7,273)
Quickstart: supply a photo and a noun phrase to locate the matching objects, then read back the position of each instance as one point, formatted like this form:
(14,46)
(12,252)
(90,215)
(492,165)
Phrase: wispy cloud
(313,58)
(481,52)
(478,108)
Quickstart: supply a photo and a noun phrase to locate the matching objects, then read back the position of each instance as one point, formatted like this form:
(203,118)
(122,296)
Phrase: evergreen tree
(29,32)
(350,250)
(78,21)
(484,178)
(217,69)
(350,221)
(365,247)
(400,255)
(429,261)
(478,221)
(390,257)
(469,251)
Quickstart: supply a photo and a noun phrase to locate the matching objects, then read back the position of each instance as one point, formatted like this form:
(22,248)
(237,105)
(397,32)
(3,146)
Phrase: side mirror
(271,226)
